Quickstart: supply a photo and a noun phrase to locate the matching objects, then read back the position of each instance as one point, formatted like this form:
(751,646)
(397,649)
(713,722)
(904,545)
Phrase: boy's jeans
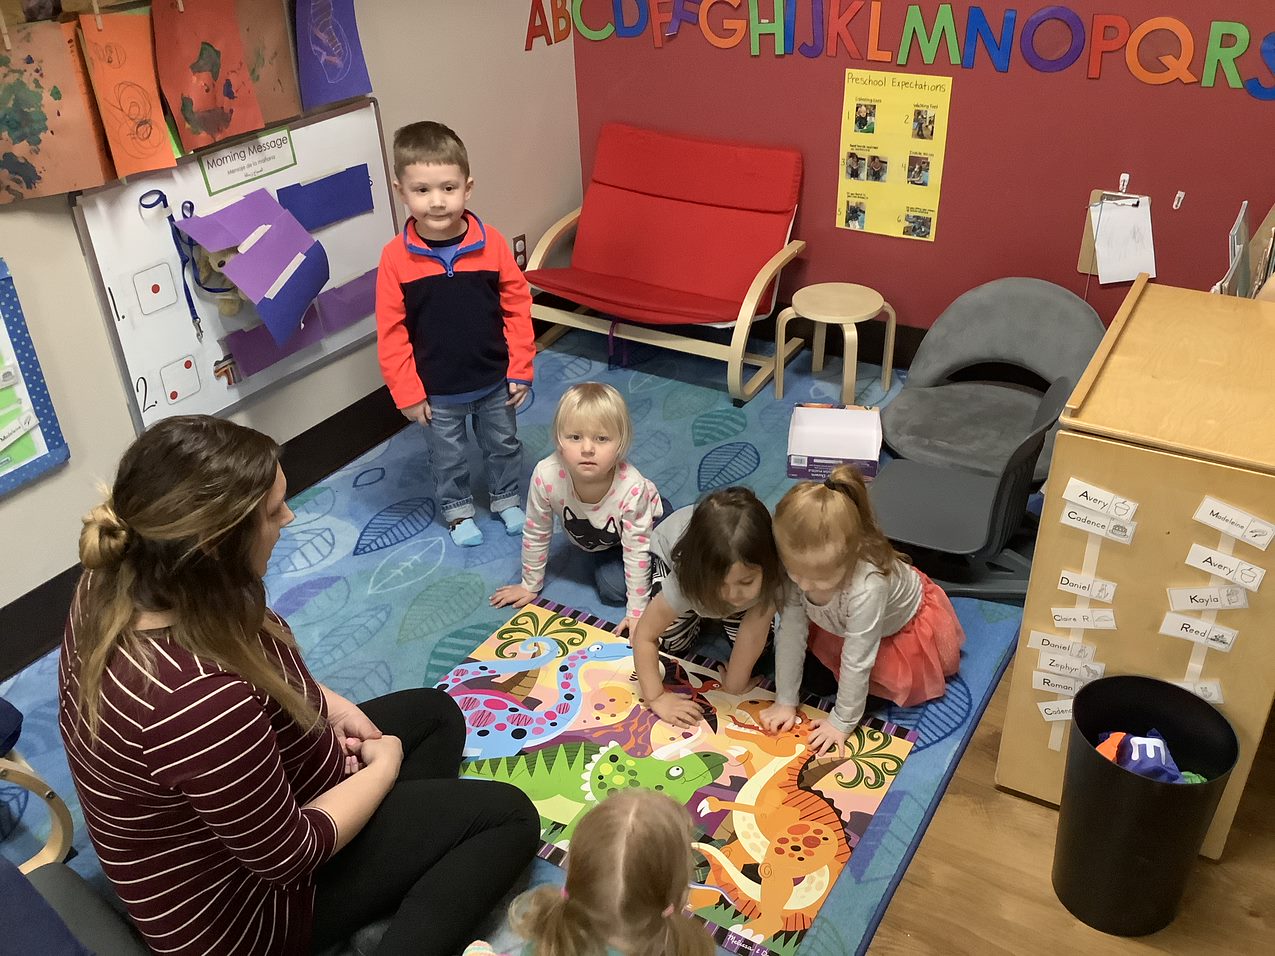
(495,428)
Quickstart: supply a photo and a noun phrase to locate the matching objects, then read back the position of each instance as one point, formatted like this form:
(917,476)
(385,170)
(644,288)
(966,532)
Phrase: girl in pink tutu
(875,621)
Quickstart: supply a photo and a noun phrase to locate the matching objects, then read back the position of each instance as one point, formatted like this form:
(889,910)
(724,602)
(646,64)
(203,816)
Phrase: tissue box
(821,437)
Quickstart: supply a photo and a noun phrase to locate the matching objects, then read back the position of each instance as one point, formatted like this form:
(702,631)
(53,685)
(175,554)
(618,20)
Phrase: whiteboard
(166,368)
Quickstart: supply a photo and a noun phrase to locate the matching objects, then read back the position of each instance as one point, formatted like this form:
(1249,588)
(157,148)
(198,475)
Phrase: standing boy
(453,328)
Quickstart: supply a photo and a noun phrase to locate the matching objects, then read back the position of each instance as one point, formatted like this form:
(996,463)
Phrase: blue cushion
(30,924)
(10,726)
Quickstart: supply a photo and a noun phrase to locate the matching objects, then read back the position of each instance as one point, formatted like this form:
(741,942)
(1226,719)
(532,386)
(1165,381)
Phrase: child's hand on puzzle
(677,710)
(779,717)
(627,626)
(826,739)
(420,413)
(514,594)
(518,393)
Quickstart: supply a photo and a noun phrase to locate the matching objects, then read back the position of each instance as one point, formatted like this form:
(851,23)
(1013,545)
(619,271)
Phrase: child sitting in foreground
(715,560)
(880,624)
(628,872)
(605,505)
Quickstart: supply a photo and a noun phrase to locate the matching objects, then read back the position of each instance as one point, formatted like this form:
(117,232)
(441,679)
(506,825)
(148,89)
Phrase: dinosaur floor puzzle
(552,706)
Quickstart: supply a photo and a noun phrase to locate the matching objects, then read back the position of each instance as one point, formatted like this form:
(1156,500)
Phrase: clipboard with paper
(1117,244)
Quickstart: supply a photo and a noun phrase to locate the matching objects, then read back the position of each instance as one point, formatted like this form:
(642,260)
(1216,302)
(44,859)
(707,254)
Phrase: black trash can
(1126,843)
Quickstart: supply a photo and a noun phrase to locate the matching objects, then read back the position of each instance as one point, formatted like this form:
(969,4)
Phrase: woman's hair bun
(103,539)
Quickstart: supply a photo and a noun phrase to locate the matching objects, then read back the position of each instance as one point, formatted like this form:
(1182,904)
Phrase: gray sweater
(872,606)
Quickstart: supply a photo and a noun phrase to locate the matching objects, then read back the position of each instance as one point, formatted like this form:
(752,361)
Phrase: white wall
(460,63)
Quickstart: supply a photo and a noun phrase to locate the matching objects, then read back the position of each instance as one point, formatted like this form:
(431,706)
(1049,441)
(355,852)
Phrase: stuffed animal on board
(210,268)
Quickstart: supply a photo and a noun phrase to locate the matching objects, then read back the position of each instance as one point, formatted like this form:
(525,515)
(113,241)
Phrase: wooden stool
(13,769)
(843,304)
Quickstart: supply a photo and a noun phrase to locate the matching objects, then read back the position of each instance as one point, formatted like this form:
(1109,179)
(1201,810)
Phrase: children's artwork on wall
(121,65)
(239,313)
(202,70)
(551,706)
(267,43)
(31,441)
(329,54)
(51,140)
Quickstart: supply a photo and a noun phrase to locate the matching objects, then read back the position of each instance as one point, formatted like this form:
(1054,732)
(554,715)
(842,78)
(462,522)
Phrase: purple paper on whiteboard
(329,55)
(324,201)
(341,307)
(256,348)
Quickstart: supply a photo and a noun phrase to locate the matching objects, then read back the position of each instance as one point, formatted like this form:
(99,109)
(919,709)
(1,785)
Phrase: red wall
(1024,148)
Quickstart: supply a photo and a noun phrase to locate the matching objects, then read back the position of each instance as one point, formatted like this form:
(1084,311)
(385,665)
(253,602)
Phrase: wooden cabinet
(1177,405)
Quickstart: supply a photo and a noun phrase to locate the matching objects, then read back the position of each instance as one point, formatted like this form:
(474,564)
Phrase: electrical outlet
(520,251)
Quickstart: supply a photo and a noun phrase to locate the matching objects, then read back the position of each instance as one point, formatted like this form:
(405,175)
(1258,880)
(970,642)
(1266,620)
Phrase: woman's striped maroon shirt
(193,794)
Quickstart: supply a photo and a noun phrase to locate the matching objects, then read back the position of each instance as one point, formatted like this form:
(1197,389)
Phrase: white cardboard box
(821,437)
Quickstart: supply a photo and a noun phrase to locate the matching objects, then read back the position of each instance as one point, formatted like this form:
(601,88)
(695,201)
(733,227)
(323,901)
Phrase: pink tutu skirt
(912,665)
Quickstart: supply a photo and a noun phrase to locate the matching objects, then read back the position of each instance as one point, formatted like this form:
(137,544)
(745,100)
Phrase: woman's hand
(514,594)
(352,726)
(778,717)
(385,754)
(826,739)
(677,710)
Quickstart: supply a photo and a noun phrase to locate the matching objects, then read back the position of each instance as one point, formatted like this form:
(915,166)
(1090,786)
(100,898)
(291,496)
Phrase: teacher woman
(237,805)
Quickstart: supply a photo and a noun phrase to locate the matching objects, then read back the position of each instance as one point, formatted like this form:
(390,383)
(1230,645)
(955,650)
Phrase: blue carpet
(381,599)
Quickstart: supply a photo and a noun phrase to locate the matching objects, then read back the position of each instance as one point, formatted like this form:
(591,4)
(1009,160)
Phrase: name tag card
(1069,666)
(1098,499)
(1227,566)
(1094,588)
(1233,521)
(1053,710)
(8,375)
(1078,650)
(1226,598)
(25,422)
(1055,683)
(1117,529)
(1210,690)
(1103,619)
(1201,632)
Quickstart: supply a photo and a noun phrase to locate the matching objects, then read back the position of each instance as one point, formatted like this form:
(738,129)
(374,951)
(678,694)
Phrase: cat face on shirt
(586,535)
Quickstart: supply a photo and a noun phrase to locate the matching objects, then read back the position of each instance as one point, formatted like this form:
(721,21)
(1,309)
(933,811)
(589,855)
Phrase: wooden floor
(980,880)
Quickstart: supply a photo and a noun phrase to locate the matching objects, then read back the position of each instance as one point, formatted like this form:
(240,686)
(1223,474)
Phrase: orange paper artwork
(205,79)
(122,66)
(50,137)
(267,41)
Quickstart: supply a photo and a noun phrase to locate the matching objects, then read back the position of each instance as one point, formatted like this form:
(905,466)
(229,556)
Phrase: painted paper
(121,65)
(203,72)
(280,267)
(893,139)
(267,43)
(51,140)
(329,54)
(550,701)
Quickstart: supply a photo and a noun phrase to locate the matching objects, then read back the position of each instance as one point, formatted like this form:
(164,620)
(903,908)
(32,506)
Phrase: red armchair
(677,230)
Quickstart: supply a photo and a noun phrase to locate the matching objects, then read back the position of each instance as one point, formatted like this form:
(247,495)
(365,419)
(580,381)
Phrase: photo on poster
(865,118)
(923,123)
(918,170)
(916,226)
(856,213)
(878,169)
(855,166)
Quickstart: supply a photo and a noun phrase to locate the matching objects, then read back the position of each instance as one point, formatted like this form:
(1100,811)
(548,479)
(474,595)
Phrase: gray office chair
(958,525)
(976,380)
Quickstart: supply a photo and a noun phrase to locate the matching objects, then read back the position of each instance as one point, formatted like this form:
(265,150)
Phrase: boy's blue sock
(514,519)
(466,534)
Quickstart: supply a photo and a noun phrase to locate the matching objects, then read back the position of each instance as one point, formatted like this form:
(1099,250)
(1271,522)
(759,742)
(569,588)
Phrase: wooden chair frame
(735,355)
(14,769)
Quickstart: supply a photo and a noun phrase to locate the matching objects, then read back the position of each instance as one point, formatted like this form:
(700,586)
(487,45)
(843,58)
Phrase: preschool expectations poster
(1048,39)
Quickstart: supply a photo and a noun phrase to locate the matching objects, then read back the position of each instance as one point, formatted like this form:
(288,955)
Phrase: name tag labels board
(1235,521)
(1066,666)
(1099,499)
(1227,598)
(1078,650)
(1116,529)
(1084,585)
(1053,710)
(1056,683)
(1210,690)
(1103,619)
(1201,632)
(1227,566)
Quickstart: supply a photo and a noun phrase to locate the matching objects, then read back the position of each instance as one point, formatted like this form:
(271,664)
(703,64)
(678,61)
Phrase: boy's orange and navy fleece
(453,322)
